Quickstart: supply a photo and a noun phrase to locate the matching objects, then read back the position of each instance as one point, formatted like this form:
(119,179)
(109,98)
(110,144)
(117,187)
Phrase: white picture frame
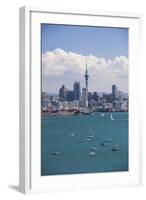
(29,160)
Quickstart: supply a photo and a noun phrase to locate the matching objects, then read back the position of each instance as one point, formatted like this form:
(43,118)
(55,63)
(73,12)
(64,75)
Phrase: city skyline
(99,92)
(65,62)
(80,100)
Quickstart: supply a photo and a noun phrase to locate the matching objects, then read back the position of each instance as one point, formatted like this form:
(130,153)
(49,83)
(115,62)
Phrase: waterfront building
(84,97)
(44,99)
(70,95)
(77,90)
(114,92)
(120,95)
(95,96)
(125,95)
(68,105)
(63,93)
(76,104)
(89,97)
(117,106)
(53,98)
(62,105)
(125,105)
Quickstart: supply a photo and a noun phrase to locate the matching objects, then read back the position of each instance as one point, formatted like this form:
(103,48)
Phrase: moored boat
(93,148)
(92,153)
(55,153)
(115,147)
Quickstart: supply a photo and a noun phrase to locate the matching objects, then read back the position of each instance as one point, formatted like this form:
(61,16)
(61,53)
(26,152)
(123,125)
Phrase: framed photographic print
(79,102)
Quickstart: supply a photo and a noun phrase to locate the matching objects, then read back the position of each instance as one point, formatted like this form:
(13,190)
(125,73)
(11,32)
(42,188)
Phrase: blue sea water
(75,137)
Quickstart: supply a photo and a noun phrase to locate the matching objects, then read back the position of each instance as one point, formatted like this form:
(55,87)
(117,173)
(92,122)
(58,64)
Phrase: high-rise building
(63,93)
(117,106)
(44,99)
(90,96)
(84,97)
(70,95)
(51,98)
(95,96)
(114,92)
(120,95)
(77,91)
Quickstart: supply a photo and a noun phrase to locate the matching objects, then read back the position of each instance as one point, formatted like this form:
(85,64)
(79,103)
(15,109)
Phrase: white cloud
(61,64)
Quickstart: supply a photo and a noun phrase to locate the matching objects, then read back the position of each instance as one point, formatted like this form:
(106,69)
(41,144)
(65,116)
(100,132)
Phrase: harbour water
(84,143)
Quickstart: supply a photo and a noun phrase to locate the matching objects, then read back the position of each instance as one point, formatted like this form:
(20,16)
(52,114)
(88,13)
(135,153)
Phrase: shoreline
(80,113)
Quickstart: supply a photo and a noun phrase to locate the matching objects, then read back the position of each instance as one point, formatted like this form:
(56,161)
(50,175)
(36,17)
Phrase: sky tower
(86,76)
(85,90)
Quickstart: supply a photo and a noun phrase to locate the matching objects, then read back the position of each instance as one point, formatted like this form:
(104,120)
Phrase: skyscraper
(70,95)
(44,99)
(63,93)
(95,96)
(114,92)
(84,97)
(77,92)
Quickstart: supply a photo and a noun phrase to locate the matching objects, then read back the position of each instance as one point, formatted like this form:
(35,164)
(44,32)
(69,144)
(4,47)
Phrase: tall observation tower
(85,90)
(86,76)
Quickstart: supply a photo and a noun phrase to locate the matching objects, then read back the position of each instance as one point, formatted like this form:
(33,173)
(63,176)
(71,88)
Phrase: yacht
(72,134)
(93,148)
(115,147)
(108,140)
(86,111)
(92,153)
(111,116)
(55,153)
(103,144)
(90,136)
(88,139)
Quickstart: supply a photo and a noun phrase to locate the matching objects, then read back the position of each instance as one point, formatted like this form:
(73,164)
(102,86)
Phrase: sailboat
(72,134)
(111,116)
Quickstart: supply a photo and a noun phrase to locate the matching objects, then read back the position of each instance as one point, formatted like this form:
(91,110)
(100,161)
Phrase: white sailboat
(111,116)
(72,134)
(92,153)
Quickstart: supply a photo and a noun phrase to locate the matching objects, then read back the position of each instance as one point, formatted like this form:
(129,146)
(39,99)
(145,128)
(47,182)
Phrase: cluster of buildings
(80,100)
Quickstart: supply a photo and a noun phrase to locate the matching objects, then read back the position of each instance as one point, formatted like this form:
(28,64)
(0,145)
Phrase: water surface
(75,137)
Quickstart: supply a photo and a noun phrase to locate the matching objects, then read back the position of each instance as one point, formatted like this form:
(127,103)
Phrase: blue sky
(98,41)
(64,51)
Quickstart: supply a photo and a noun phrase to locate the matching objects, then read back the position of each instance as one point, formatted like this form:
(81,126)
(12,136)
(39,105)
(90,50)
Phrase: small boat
(103,144)
(55,153)
(88,139)
(72,134)
(92,153)
(102,114)
(115,147)
(90,136)
(93,148)
(86,111)
(111,116)
(108,140)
